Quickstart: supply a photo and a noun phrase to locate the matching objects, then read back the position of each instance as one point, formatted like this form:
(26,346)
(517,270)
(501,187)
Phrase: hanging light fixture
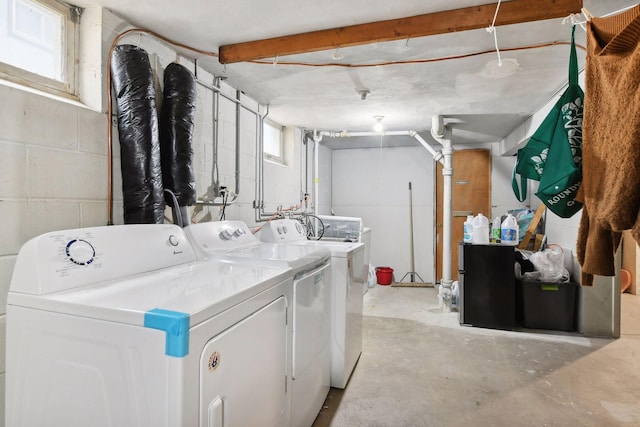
(499,68)
(378,127)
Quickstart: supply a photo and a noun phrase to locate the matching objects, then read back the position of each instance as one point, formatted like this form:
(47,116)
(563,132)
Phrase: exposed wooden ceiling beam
(468,18)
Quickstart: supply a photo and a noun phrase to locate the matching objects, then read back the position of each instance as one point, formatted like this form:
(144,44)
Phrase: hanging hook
(587,15)
(574,19)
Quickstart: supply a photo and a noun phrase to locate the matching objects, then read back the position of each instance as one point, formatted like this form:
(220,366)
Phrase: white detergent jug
(468,229)
(480,230)
(509,232)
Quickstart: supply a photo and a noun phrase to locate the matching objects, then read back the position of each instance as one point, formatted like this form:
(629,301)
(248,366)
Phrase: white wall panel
(374,184)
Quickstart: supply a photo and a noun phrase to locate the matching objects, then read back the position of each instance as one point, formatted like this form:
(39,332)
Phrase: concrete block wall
(54,177)
(54,173)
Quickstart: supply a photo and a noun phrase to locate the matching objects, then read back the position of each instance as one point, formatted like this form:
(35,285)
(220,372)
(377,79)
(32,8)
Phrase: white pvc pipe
(316,166)
(442,135)
(437,156)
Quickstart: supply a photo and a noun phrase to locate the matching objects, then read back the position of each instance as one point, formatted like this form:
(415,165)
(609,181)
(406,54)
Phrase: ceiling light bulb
(378,127)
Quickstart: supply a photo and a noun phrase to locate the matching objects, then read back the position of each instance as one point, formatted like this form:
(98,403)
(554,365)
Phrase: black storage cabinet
(486,283)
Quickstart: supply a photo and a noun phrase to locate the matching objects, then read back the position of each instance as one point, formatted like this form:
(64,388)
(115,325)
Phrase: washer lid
(232,240)
(298,257)
(337,249)
(199,290)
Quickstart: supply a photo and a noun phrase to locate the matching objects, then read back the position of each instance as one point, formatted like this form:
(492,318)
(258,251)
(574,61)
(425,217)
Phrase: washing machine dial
(173,240)
(225,234)
(238,232)
(299,227)
(279,230)
(80,252)
(284,229)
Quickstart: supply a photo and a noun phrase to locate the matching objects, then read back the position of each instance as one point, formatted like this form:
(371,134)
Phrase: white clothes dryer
(348,275)
(121,326)
(310,358)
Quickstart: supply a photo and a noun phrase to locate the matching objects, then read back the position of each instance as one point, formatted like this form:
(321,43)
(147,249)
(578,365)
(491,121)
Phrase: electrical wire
(492,30)
(312,232)
(225,197)
(417,61)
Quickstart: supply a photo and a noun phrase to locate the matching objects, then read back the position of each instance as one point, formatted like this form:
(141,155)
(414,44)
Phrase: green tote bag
(553,155)
(529,165)
(562,176)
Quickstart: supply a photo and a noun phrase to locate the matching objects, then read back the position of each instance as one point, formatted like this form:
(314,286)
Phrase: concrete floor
(419,367)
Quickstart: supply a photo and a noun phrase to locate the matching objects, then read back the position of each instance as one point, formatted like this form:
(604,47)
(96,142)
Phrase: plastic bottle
(468,229)
(480,230)
(509,234)
(495,230)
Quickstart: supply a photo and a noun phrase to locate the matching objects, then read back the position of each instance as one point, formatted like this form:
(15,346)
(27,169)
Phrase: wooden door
(471,193)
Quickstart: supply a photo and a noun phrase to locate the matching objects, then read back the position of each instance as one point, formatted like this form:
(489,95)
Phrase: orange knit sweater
(611,141)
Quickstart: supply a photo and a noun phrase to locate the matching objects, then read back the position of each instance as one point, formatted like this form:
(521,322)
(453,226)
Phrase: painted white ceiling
(480,108)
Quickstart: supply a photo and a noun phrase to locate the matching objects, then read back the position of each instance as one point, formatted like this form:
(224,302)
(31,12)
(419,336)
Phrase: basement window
(38,41)
(273,147)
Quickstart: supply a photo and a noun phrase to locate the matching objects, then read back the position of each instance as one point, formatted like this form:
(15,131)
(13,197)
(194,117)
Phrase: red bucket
(384,275)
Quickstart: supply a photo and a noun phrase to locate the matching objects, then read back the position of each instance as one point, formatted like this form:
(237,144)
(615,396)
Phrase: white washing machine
(310,367)
(348,275)
(348,229)
(121,326)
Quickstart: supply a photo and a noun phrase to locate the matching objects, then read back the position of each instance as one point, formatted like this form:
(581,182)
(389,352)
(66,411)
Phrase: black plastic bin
(543,305)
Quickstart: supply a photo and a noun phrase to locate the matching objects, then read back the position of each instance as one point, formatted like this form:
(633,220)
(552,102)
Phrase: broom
(412,274)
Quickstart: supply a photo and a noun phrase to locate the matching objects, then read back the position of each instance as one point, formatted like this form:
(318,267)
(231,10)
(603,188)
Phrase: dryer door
(243,371)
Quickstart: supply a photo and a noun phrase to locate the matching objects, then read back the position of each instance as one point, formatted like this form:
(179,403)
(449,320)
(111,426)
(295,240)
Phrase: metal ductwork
(177,116)
(132,80)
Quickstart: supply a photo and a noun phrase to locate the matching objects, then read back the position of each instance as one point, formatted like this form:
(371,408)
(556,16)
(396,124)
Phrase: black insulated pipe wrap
(177,117)
(132,80)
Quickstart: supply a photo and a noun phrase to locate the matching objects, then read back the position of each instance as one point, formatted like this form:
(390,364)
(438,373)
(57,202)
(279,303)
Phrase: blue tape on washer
(176,326)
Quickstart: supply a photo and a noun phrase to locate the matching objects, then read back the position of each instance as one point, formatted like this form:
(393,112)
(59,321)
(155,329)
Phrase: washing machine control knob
(225,234)
(238,232)
(173,240)
(284,229)
(279,230)
(80,252)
